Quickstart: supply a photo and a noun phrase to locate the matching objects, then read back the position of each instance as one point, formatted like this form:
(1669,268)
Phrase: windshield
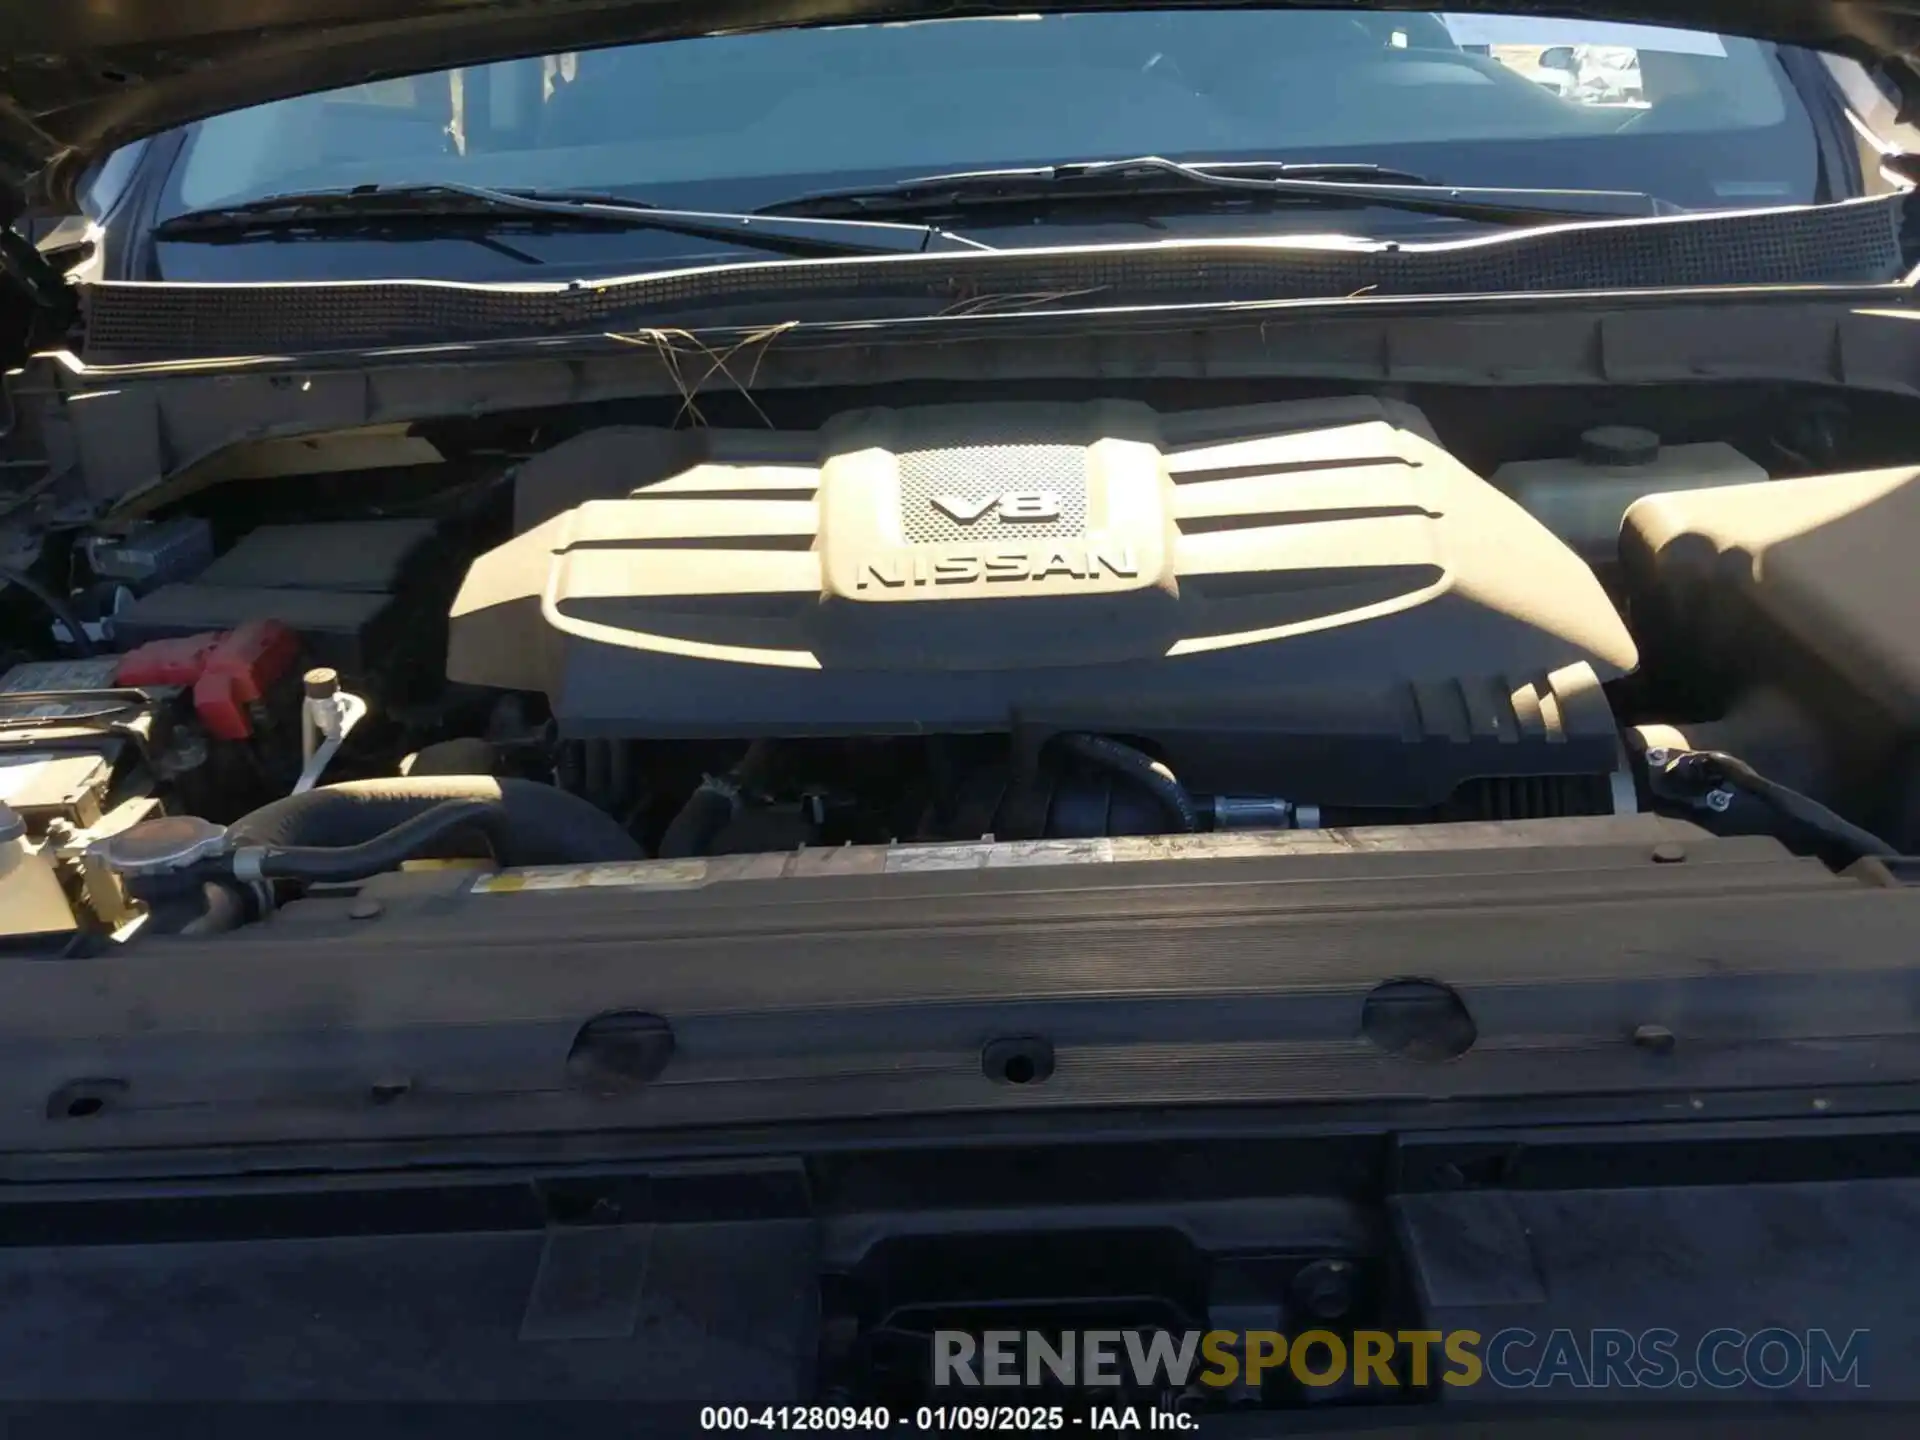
(725,122)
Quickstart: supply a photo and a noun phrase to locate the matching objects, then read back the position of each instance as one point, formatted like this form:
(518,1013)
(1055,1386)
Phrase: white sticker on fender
(638,875)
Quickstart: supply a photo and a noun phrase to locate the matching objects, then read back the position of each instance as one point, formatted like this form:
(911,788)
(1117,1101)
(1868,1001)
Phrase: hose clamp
(726,786)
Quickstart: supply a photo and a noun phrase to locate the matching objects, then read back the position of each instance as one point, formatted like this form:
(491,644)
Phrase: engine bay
(947,621)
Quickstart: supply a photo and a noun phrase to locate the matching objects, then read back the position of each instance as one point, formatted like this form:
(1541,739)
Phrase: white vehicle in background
(1550,67)
(1590,74)
(1606,74)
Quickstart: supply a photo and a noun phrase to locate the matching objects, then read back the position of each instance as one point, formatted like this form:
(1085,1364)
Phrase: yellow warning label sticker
(634,875)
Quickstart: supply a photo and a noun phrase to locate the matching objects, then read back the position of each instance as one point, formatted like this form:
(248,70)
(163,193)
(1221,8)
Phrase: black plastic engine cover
(1272,595)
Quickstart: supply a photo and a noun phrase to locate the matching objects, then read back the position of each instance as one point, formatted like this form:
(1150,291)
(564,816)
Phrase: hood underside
(80,77)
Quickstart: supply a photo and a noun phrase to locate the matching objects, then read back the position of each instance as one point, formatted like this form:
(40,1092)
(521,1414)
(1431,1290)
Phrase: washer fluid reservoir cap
(1619,447)
(154,847)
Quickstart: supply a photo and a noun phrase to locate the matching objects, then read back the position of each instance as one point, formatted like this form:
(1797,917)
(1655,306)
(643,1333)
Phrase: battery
(336,586)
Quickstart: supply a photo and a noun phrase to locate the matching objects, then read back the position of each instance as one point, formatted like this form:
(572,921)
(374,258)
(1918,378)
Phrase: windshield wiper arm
(1146,179)
(450,206)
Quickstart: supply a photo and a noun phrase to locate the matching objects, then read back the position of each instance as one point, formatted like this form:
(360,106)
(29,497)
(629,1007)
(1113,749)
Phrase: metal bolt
(1658,757)
(1719,801)
(1324,1289)
(1655,1038)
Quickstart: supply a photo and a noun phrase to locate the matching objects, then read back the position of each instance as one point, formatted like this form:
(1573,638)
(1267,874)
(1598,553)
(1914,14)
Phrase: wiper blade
(443,208)
(1145,181)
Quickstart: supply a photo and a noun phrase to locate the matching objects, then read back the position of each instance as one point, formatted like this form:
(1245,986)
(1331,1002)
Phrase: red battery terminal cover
(228,671)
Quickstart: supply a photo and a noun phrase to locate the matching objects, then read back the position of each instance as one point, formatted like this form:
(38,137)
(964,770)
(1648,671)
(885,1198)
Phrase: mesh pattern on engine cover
(979,475)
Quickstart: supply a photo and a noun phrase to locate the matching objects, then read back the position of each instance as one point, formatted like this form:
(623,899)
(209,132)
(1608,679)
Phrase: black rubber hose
(539,824)
(1701,770)
(1145,771)
(81,641)
(223,907)
(700,821)
(408,840)
(713,804)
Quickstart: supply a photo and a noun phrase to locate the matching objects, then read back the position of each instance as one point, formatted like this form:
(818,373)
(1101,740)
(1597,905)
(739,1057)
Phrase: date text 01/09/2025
(972,1419)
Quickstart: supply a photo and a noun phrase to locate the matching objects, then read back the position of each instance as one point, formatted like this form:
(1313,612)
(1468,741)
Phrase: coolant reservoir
(33,906)
(1582,498)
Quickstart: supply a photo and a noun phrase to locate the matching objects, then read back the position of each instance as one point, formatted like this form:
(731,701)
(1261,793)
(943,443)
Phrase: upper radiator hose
(714,803)
(1145,771)
(525,822)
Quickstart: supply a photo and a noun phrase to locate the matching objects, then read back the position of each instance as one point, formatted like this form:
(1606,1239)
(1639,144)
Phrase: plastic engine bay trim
(417,1009)
(1017,854)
